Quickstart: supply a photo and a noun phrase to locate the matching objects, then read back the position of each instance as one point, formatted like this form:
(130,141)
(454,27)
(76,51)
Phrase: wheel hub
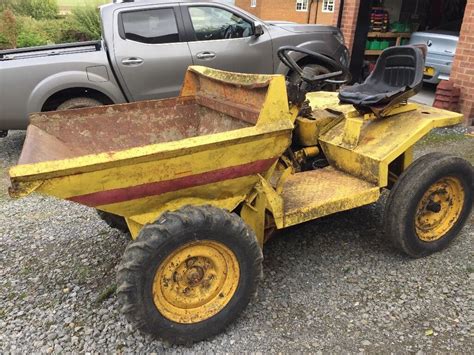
(195,275)
(439,209)
(196,282)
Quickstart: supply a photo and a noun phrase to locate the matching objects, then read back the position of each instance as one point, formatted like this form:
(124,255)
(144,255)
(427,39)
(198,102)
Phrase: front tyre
(429,204)
(79,102)
(189,274)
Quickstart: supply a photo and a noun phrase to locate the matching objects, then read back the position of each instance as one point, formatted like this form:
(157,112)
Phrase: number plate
(429,71)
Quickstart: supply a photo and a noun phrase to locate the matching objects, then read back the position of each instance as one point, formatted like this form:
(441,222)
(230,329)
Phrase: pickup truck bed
(56,49)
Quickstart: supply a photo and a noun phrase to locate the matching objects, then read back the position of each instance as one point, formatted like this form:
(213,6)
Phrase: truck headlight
(339,36)
(345,58)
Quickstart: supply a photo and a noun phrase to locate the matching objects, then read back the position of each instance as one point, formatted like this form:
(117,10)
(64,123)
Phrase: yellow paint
(274,200)
(253,214)
(196,281)
(381,141)
(312,194)
(150,153)
(439,209)
(407,158)
(307,130)
(134,228)
(352,128)
(303,154)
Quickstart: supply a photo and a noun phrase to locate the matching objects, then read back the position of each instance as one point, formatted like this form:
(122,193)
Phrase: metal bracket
(355,120)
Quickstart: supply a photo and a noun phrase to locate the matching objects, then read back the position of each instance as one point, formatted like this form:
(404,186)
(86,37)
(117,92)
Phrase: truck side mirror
(257,29)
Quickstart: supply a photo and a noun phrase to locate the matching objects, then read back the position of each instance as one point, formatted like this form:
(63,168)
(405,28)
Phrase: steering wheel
(229,32)
(307,74)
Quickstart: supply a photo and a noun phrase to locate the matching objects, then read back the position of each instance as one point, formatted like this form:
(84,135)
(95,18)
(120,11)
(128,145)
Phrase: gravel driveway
(333,285)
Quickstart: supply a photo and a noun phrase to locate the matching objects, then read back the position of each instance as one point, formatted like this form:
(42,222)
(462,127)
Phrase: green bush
(9,28)
(86,20)
(53,30)
(38,9)
(27,30)
(31,39)
(5,4)
(3,42)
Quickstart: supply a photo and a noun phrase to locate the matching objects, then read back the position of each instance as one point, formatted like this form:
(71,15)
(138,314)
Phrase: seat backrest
(398,67)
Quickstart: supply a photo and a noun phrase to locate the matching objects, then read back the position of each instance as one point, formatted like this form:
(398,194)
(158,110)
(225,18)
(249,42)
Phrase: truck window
(211,23)
(151,26)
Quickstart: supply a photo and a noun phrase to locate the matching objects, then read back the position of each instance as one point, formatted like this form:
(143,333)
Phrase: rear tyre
(189,274)
(429,204)
(114,221)
(79,102)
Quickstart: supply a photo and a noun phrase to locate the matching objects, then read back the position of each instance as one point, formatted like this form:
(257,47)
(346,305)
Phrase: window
(253,3)
(211,23)
(301,5)
(328,5)
(151,26)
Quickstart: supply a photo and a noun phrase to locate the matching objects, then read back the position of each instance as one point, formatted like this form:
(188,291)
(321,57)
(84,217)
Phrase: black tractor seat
(397,76)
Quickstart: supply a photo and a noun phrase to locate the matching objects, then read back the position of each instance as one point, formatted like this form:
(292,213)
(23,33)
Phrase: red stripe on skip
(156,188)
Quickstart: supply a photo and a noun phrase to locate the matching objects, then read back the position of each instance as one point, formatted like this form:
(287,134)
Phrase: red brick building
(302,11)
(462,73)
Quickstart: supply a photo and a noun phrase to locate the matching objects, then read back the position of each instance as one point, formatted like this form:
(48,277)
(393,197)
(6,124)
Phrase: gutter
(339,16)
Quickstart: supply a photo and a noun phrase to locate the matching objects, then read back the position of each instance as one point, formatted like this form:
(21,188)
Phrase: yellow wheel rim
(439,209)
(196,281)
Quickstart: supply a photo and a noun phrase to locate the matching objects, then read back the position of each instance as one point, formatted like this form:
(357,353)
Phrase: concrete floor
(426,95)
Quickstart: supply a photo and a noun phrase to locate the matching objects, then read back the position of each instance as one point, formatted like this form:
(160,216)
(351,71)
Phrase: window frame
(188,22)
(326,4)
(253,3)
(177,18)
(304,5)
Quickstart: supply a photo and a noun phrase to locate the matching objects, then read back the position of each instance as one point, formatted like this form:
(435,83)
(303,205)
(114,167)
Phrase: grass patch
(435,138)
(26,271)
(106,293)
(83,273)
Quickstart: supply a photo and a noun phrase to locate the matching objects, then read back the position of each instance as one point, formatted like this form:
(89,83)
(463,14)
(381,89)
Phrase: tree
(8,27)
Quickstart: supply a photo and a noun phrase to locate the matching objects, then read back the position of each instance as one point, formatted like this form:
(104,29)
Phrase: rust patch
(68,134)
(316,193)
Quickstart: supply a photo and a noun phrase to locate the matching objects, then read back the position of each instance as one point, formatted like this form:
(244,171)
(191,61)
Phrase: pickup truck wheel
(429,204)
(79,102)
(189,274)
(114,221)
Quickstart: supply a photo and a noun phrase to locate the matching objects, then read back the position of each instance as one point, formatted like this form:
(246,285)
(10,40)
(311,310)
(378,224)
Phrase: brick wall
(245,5)
(348,20)
(462,73)
(285,10)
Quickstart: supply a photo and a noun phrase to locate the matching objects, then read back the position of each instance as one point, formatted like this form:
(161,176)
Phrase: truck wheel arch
(58,98)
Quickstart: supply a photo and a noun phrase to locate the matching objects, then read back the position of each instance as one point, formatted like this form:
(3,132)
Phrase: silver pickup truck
(145,50)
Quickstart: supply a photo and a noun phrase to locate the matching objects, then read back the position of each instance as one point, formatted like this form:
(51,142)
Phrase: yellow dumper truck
(202,180)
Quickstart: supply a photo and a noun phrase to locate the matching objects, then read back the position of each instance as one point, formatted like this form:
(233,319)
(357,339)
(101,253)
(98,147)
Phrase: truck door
(223,38)
(150,53)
